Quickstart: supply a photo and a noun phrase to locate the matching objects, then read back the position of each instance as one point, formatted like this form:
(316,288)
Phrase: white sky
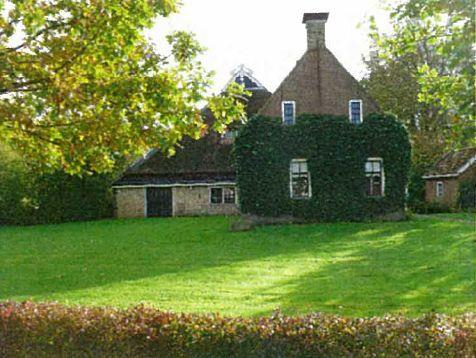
(268,36)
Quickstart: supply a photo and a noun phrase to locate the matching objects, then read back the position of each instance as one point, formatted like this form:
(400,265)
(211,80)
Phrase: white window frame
(229,134)
(440,189)
(309,189)
(382,179)
(222,194)
(361,109)
(283,103)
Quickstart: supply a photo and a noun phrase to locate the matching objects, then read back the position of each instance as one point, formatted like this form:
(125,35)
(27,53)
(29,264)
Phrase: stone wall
(195,200)
(130,202)
(186,201)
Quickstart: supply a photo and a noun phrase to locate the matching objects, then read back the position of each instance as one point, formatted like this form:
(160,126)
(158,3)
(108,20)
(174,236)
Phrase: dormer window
(289,112)
(355,111)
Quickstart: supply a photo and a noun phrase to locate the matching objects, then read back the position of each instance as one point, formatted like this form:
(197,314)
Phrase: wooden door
(159,202)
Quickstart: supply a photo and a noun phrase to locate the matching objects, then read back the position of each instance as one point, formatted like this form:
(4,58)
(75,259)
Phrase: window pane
(288,109)
(368,186)
(368,167)
(376,166)
(300,186)
(303,167)
(376,188)
(216,195)
(439,189)
(374,180)
(288,113)
(230,134)
(355,111)
(294,167)
(229,195)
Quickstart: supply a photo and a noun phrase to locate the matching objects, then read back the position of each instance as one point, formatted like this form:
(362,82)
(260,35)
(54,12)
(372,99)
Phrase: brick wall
(451,188)
(319,84)
(450,191)
(130,202)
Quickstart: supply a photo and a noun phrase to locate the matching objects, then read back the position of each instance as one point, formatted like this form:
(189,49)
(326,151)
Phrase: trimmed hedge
(43,330)
(336,152)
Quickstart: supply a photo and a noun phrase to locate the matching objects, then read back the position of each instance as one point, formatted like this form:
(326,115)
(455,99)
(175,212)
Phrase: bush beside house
(336,152)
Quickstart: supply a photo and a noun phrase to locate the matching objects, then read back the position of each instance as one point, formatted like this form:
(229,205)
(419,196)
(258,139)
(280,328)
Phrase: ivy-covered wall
(336,152)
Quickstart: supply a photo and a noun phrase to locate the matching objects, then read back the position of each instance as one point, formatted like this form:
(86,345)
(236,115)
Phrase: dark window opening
(216,195)
(300,179)
(374,177)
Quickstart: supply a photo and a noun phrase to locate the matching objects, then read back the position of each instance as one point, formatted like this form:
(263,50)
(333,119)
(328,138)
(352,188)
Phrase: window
(440,189)
(355,111)
(300,179)
(375,181)
(229,195)
(289,112)
(216,195)
(222,195)
(230,134)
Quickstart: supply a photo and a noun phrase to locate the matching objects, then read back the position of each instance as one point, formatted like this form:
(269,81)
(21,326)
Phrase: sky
(268,36)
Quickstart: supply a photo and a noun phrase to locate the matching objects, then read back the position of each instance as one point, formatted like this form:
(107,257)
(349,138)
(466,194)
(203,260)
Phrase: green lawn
(464,216)
(196,265)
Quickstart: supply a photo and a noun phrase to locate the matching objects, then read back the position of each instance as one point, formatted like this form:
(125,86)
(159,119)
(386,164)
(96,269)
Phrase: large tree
(80,85)
(424,72)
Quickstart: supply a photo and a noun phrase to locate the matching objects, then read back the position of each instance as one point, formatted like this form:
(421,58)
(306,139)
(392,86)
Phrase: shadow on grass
(411,271)
(370,268)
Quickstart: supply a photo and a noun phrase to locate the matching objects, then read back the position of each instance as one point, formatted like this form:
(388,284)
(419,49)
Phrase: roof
(453,164)
(206,160)
(244,76)
(154,180)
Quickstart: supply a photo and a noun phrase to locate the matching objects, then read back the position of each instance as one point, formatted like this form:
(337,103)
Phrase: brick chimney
(316,29)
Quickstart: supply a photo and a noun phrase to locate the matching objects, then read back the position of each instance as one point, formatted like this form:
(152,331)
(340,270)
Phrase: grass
(463,216)
(196,265)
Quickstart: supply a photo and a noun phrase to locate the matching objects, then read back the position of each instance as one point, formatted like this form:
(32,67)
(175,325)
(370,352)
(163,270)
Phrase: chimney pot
(316,29)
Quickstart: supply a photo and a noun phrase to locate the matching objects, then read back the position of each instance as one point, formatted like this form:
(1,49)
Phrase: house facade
(442,182)
(201,178)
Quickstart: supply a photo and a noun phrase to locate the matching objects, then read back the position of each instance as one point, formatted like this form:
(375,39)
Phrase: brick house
(200,178)
(442,182)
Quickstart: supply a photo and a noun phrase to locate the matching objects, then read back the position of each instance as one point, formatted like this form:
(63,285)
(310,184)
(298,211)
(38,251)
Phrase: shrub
(27,197)
(336,152)
(17,195)
(467,195)
(416,191)
(30,329)
(432,208)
